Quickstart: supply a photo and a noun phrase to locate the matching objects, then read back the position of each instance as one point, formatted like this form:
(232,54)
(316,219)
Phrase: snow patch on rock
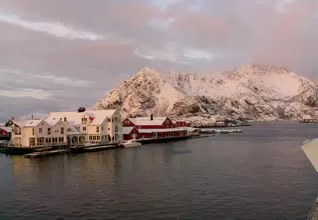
(258,92)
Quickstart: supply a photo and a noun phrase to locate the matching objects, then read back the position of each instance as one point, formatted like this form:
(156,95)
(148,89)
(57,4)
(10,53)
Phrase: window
(84,128)
(108,120)
(98,138)
(90,138)
(84,120)
(102,128)
(116,119)
(97,129)
(62,130)
(40,130)
(112,119)
(116,128)
(49,131)
(94,138)
(32,131)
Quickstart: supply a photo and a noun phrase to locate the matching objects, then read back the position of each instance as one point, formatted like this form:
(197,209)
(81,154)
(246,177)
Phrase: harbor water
(260,173)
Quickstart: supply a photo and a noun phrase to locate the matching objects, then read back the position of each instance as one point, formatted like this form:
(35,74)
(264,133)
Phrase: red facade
(4,133)
(134,134)
(167,123)
(145,129)
(137,135)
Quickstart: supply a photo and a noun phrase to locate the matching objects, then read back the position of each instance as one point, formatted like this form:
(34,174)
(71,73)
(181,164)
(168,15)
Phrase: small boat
(130,143)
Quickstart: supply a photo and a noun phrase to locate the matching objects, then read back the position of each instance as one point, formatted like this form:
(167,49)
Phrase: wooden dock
(219,131)
(45,153)
(202,136)
(93,148)
(162,140)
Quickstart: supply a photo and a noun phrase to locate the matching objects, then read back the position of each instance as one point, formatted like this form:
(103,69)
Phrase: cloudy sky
(60,54)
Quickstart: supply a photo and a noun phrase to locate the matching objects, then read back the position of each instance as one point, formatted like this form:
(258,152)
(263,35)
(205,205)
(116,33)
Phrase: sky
(62,54)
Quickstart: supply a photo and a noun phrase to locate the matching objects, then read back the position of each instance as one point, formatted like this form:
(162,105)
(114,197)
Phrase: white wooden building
(69,128)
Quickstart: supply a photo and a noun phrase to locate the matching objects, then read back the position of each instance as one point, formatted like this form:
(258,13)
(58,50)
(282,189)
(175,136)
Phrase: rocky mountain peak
(147,73)
(260,92)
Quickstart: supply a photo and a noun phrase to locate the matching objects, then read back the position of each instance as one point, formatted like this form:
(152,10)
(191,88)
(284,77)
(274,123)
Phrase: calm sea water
(259,174)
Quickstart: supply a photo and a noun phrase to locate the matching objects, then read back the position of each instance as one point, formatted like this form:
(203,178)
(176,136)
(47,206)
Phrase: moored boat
(130,143)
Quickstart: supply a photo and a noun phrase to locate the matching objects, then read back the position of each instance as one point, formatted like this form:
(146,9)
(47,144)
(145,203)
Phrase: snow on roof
(76,117)
(127,130)
(32,123)
(7,129)
(2,124)
(148,121)
(72,129)
(161,130)
(53,120)
(27,123)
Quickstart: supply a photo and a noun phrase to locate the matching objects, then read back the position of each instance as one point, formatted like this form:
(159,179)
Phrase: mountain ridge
(258,92)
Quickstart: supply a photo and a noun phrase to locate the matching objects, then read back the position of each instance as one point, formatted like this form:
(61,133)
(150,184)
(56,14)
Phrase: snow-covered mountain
(258,92)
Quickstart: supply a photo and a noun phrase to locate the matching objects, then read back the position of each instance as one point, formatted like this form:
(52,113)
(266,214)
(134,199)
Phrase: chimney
(32,116)
(151,117)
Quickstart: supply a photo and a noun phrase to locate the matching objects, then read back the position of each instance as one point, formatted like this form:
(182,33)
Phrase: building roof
(161,130)
(98,116)
(127,130)
(32,123)
(28,123)
(148,121)
(7,129)
(72,129)
(53,120)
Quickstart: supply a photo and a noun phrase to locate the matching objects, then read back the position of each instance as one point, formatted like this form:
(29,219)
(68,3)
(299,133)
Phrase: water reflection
(243,176)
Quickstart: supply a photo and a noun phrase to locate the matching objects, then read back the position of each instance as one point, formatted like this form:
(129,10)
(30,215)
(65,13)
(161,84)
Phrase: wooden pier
(162,140)
(219,131)
(202,136)
(45,153)
(93,148)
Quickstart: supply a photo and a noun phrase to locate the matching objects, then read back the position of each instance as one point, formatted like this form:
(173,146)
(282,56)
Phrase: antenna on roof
(148,112)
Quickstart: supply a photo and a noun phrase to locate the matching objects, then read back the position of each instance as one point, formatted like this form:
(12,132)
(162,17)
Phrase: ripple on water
(258,174)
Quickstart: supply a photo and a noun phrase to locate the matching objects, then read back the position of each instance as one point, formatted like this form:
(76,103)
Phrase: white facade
(69,128)
(35,133)
(100,126)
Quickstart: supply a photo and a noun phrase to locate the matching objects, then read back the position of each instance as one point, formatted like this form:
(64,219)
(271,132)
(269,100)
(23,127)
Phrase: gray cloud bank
(57,55)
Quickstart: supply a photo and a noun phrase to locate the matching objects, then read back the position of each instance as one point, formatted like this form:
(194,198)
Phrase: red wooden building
(152,127)
(5,133)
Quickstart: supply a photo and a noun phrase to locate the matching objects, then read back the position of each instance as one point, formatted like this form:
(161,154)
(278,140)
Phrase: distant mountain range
(257,92)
